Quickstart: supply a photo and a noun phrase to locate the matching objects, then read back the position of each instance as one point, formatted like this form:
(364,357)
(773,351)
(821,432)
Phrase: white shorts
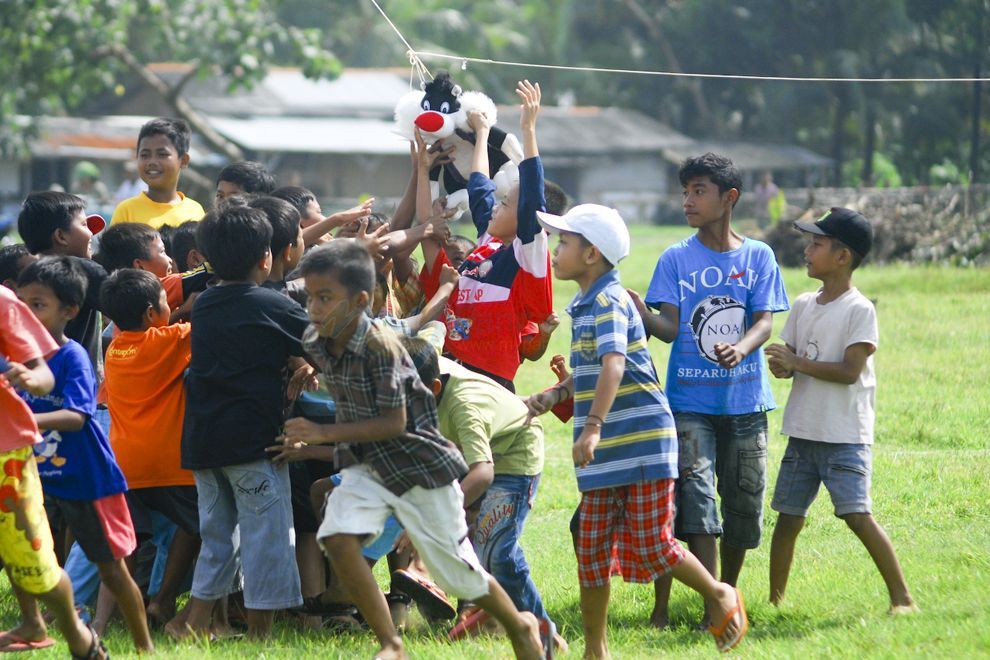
(433,518)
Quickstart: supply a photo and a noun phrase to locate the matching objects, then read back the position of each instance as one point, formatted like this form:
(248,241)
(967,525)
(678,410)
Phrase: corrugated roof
(748,156)
(310,135)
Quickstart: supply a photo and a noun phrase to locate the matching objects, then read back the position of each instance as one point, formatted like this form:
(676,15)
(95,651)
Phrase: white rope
(678,74)
(424,73)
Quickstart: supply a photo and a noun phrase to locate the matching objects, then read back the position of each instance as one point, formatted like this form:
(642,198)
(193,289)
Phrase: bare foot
(159,614)
(183,631)
(391,652)
(525,640)
(900,610)
(560,644)
(26,632)
(659,620)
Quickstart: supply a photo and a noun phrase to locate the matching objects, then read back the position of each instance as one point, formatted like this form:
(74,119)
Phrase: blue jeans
(503,512)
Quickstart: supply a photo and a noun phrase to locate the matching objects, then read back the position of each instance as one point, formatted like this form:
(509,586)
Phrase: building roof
(341,135)
(749,156)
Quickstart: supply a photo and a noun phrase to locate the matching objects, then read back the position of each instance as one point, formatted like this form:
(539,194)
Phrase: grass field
(930,492)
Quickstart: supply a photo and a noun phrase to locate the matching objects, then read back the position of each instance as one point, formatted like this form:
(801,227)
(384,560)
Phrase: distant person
(131,185)
(717,292)
(767,199)
(244,176)
(87,183)
(162,154)
(829,341)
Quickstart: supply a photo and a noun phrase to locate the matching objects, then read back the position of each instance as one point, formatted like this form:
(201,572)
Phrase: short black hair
(166,232)
(347,259)
(126,295)
(61,274)
(44,212)
(424,358)
(298,196)
(183,242)
(555,197)
(124,242)
(284,219)
(176,130)
(837,244)
(465,242)
(716,167)
(234,240)
(249,175)
(9,256)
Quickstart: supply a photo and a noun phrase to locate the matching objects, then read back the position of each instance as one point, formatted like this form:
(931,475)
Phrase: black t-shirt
(87,327)
(242,338)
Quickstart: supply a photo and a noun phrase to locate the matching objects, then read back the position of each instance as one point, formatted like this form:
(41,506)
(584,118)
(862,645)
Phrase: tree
(58,53)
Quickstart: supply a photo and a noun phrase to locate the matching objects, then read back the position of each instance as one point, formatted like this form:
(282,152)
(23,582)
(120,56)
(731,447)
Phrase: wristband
(600,420)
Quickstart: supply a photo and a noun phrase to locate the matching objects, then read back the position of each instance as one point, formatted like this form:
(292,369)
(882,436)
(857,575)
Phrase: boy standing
(145,388)
(829,341)
(162,154)
(242,337)
(625,445)
(716,293)
(392,458)
(26,546)
(84,487)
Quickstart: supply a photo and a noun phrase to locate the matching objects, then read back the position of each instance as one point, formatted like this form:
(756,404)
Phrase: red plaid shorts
(627,530)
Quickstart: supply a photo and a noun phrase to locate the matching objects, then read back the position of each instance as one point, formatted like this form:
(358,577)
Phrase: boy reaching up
(625,444)
(829,341)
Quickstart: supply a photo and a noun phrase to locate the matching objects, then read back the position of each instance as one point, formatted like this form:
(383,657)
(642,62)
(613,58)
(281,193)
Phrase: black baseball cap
(849,226)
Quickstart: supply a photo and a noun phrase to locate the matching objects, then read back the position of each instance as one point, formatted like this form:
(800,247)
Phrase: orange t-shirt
(147,400)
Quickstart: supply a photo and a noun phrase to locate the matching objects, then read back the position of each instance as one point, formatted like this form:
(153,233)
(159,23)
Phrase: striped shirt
(638,439)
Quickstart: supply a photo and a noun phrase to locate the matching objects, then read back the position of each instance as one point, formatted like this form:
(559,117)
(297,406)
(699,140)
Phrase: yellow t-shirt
(142,208)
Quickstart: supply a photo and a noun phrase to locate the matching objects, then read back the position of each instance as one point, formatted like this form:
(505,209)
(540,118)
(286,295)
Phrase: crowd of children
(263,409)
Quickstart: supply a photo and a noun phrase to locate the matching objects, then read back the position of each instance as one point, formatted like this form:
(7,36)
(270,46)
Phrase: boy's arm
(435,305)
(542,402)
(312,233)
(730,355)
(534,345)
(530,95)
(846,372)
(33,376)
(613,368)
(474,484)
(663,326)
(60,420)
(424,203)
(300,452)
(390,424)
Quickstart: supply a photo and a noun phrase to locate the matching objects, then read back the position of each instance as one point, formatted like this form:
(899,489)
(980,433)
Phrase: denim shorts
(727,455)
(845,469)
(254,497)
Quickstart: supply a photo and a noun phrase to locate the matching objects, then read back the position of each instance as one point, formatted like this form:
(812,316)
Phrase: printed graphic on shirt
(812,351)
(47,451)
(717,319)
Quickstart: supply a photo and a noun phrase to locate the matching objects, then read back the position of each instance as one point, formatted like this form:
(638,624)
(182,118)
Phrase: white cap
(602,226)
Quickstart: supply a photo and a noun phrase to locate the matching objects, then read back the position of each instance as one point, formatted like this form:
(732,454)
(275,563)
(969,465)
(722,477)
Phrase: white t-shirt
(817,409)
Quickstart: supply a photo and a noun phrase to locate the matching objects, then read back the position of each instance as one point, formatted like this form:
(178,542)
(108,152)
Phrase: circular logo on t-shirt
(717,319)
(812,351)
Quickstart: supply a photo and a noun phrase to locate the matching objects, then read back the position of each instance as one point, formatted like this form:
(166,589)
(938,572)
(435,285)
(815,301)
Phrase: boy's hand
(538,404)
(478,121)
(429,157)
(781,360)
(354,213)
(297,451)
(583,451)
(449,275)
(558,365)
(728,354)
(300,430)
(24,378)
(638,301)
(438,228)
(530,95)
(184,311)
(376,243)
(549,324)
(304,378)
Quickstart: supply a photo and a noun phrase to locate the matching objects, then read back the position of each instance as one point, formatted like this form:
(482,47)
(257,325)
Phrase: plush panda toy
(440,112)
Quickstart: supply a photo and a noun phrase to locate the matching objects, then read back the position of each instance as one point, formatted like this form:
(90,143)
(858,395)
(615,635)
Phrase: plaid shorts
(627,530)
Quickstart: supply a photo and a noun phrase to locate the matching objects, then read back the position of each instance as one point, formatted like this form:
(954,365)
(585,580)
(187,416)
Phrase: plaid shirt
(375,372)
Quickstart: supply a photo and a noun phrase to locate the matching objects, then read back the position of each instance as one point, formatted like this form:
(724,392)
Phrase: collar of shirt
(599,285)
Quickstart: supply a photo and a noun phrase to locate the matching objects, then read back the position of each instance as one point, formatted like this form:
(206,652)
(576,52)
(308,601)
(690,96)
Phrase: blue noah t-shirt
(717,294)
(75,465)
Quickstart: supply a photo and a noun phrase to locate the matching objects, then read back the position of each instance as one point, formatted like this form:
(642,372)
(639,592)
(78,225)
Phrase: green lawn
(931,460)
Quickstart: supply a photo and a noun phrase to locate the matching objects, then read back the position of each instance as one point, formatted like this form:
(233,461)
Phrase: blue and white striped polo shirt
(638,439)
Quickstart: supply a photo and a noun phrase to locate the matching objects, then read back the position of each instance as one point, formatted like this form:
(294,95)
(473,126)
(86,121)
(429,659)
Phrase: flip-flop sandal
(11,643)
(314,606)
(96,650)
(428,596)
(717,633)
(472,624)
